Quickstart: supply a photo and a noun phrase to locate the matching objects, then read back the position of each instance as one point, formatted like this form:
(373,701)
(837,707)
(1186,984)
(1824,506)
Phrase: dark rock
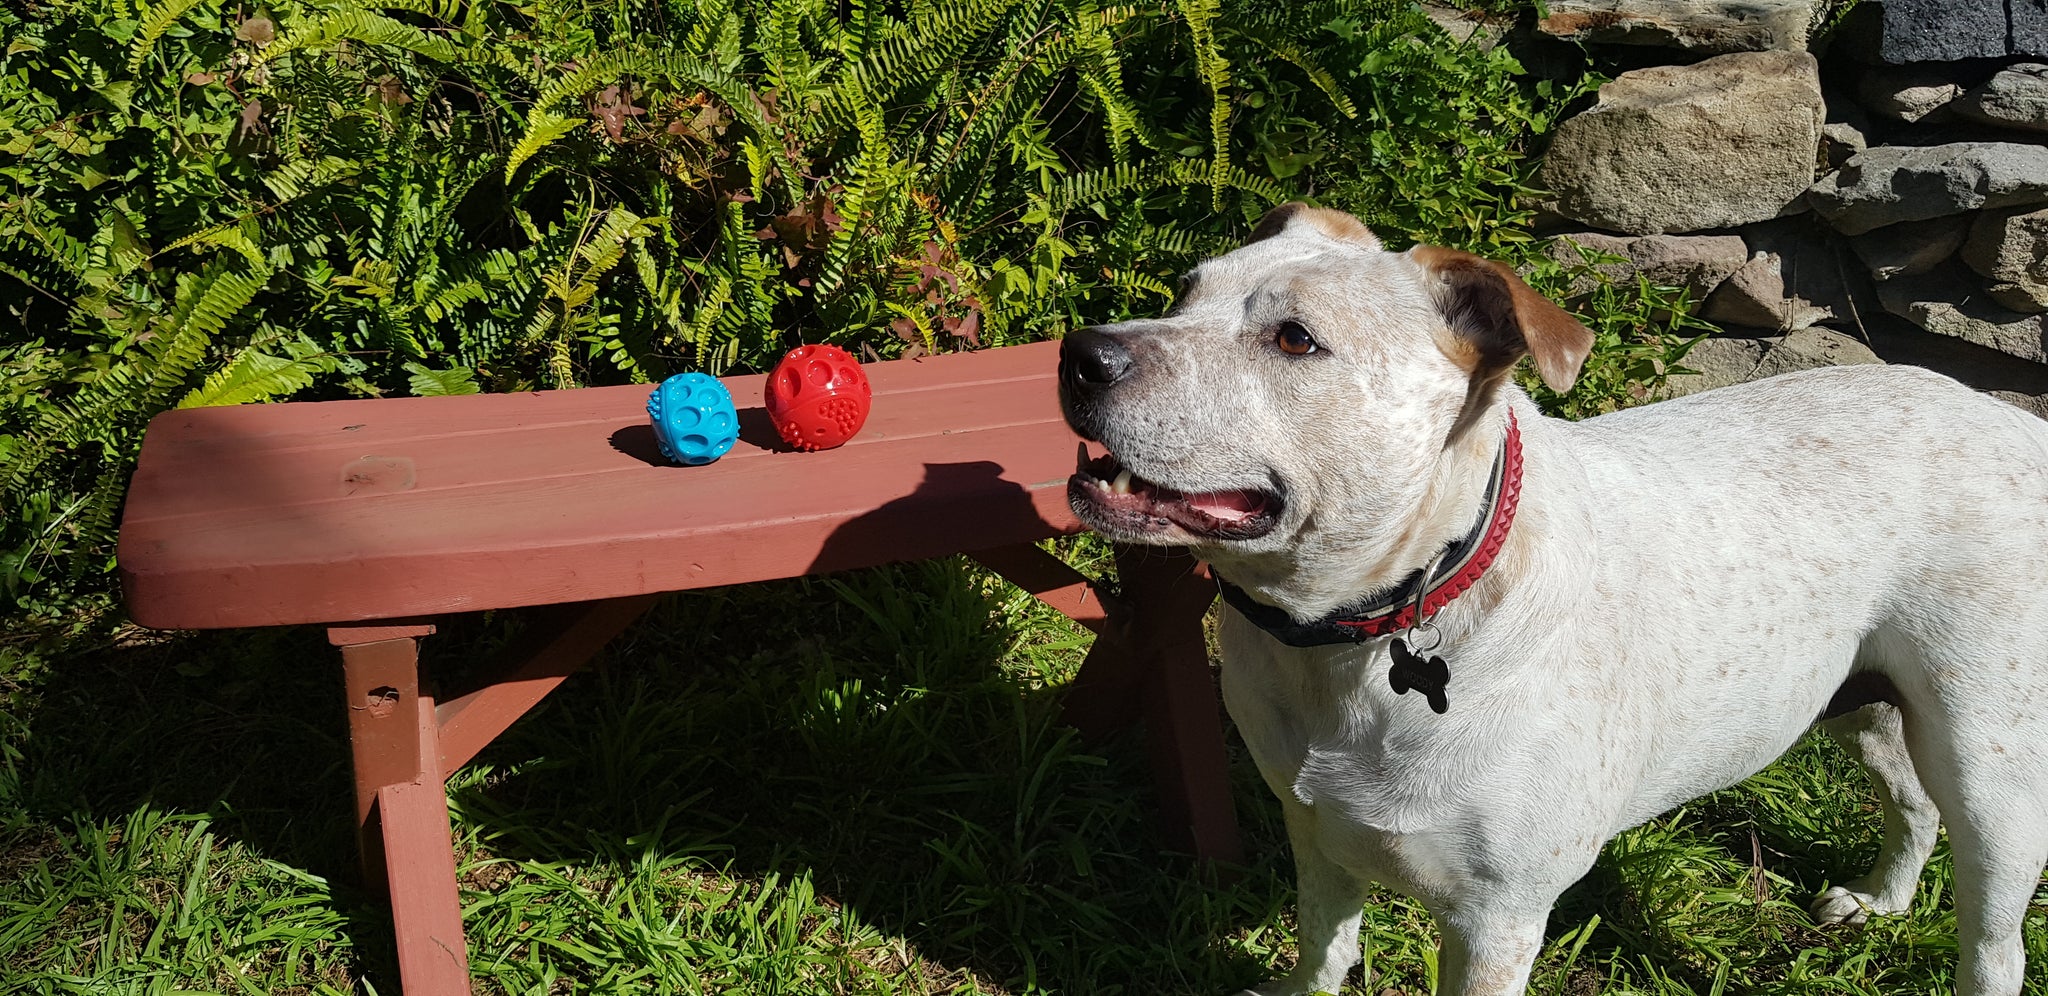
(1947,30)
(1911,247)
(1846,130)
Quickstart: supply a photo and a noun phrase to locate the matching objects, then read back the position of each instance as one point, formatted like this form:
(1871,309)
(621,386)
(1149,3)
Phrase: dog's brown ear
(1495,318)
(1330,222)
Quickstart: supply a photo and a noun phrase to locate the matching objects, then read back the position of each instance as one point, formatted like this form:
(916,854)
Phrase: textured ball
(694,420)
(817,397)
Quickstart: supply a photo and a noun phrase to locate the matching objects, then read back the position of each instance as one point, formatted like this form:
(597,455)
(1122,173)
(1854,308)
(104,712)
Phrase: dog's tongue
(1227,506)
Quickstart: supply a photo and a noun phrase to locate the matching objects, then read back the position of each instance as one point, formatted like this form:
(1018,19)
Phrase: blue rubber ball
(694,420)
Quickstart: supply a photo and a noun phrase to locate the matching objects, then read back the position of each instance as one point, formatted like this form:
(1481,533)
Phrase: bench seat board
(341,511)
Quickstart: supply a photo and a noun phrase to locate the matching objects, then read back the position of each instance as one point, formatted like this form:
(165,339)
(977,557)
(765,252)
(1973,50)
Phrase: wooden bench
(375,517)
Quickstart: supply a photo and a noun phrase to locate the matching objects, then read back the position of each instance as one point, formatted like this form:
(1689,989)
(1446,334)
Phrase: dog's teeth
(1123,483)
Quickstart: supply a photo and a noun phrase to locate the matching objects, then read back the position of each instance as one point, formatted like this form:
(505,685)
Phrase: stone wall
(1832,187)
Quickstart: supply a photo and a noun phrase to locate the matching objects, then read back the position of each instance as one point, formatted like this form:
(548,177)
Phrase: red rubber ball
(817,397)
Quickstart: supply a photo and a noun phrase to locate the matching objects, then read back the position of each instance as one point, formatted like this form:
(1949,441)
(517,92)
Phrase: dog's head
(1306,386)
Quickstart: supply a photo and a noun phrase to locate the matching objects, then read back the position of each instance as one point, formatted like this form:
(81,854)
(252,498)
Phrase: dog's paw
(1844,905)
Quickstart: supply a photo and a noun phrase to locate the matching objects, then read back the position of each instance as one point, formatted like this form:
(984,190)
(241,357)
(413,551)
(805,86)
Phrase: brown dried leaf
(252,118)
(257,30)
(614,107)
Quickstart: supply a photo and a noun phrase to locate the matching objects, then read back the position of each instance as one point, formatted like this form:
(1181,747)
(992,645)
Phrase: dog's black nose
(1091,360)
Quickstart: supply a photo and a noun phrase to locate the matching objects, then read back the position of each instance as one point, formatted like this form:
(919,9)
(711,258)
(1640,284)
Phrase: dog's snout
(1091,360)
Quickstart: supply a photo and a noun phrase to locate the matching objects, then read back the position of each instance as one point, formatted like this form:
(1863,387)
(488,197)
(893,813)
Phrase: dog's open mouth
(1107,496)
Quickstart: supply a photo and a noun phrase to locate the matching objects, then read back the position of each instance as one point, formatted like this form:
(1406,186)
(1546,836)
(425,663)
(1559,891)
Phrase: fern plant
(217,204)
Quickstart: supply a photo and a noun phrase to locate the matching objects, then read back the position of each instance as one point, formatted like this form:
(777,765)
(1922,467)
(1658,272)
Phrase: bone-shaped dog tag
(1428,677)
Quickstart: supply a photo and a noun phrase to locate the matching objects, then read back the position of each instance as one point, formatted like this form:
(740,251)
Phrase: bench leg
(426,911)
(401,806)
(1156,665)
(404,746)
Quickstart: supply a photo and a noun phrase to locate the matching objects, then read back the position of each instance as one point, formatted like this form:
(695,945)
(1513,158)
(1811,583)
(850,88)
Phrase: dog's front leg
(1489,946)
(1328,907)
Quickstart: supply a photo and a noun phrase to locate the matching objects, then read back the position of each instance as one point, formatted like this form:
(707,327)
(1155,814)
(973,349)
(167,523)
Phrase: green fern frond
(1095,185)
(1299,57)
(238,236)
(862,177)
(1214,71)
(429,383)
(911,58)
(789,66)
(295,180)
(367,27)
(445,11)
(252,376)
(714,17)
(1133,280)
(543,128)
(156,21)
(205,304)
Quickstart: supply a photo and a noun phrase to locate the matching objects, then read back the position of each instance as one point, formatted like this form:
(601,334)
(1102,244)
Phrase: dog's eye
(1294,340)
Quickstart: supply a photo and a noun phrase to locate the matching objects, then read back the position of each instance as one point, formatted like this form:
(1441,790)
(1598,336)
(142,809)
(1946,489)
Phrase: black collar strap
(1462,564)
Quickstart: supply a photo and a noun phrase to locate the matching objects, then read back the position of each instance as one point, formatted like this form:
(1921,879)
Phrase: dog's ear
(1330,222)
(1494,318)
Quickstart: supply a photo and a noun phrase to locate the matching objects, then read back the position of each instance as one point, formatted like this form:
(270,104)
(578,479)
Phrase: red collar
(1460,567)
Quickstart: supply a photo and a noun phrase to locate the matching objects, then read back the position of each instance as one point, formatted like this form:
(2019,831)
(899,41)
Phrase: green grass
(844,785)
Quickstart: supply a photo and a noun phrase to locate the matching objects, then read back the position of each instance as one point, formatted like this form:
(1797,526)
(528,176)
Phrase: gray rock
(1719,362)
(2036,404)
(1894,183)
(1910,247)
(1810,348)
(1725,360)
(2015,98)
(1846,129)
(1913,94)
(1713,26)
(2011,249)
(1947,30)
(1798,275)
(1896,340)
(2023,298)
(1695,263)
(1756,296)
(1926,300)
(1720,143)
(1840,141)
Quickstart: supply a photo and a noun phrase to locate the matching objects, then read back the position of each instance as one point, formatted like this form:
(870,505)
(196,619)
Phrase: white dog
(1618,615)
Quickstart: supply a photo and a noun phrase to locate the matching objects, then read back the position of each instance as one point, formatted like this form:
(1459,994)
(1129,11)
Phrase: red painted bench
(375,517)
